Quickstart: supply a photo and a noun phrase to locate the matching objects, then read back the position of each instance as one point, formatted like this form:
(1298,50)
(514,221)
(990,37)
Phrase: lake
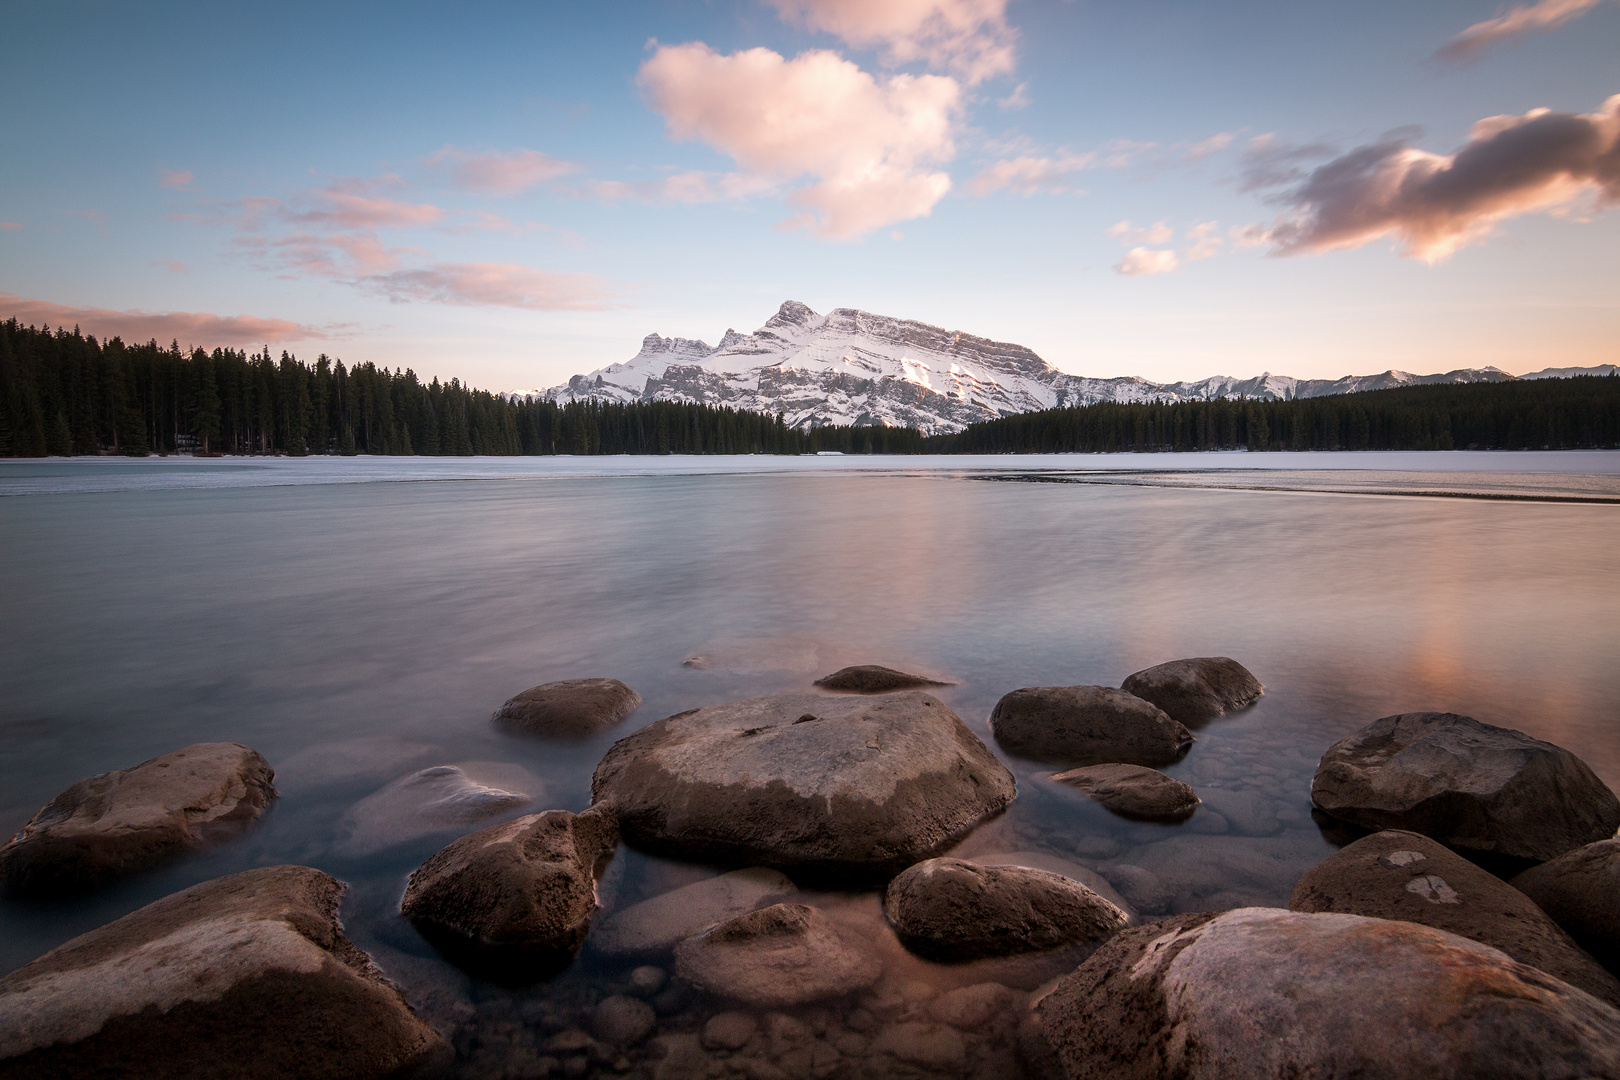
(356,620)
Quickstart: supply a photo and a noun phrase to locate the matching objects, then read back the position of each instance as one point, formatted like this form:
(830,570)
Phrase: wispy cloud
(970,38)
(1203,241)
(498,173)
(1433,204)
(866,145)
(9,225)
(1141,261)
(1126,233)
(483,284)
(1517,22)
(187,327)
(1033,175)
(181,178)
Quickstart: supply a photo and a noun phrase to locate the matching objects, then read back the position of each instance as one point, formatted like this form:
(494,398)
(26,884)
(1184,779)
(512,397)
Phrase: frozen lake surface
(356,620)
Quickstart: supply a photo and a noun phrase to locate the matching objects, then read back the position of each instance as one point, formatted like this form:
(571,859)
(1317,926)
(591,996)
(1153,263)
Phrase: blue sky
(515,193)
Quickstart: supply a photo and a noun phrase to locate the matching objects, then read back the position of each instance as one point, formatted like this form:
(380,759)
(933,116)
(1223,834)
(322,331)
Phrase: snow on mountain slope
(853,367)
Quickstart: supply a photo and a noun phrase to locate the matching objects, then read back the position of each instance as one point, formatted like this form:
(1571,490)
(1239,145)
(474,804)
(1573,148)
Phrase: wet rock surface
(1086,725)
(874,679)
(1402,875)
(1262,992)
(569,709)
(246,975)
(655,926)
(528,886)
(1134,791)
(828,784)
(952,910)
(1580,891)
(1467,785)
(782,955)
(444,798)
(1197,690)
(118,823)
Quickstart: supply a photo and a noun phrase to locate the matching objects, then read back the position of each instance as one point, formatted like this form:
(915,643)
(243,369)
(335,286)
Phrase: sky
(515,193)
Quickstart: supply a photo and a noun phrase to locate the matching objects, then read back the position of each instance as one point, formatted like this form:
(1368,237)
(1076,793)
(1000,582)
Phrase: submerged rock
(841,784)
(778,956)
(246,975)
(1402,875)
(1134,791)
(1086,725)
(441,799)
(570,709)
(524,888)
(1197,690)
(872,679)
(623,1021)
(1259,992)
(1467,785)
(1055,864)
(1580,891)
(952,910)
(117,823)
(654,927)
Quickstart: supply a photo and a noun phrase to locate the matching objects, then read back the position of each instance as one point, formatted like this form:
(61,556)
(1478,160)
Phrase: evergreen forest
(65,393)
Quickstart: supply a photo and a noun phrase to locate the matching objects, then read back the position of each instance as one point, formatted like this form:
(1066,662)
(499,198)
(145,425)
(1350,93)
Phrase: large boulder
(655,926)
(1467,785)
(844,784)
(777,957)
(516,892)
(1086,725)
(444,798)
(1402,875)
(1134,791)
(244,976)
(116,823)
(874,679)
(1259,992)
(570,709)
(1197,690)
(1580,890)
(951,910)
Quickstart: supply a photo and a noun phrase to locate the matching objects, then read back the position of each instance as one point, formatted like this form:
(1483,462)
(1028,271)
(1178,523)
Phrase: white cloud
(1126,233)
(968,37)
(1140,261)
(865,143)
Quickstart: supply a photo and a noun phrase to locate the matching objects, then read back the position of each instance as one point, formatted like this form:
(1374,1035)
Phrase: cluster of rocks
(1396,955)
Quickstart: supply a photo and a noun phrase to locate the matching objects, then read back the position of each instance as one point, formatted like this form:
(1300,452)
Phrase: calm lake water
(354,630)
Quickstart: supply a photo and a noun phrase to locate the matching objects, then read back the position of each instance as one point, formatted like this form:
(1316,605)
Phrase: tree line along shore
(64,393)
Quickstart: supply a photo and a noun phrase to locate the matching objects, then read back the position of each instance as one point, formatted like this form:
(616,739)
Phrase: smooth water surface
(356,631)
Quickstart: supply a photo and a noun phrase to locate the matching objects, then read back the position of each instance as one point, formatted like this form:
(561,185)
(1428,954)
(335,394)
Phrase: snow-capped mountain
(853,367)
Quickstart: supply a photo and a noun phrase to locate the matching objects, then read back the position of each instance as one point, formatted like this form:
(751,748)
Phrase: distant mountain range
(853,367)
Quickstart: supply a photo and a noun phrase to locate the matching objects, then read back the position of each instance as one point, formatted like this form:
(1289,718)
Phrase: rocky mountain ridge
(854,367)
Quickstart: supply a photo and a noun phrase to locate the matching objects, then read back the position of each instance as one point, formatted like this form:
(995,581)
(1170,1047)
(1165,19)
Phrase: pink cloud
(9,225)
(1514,23)
(345,207)
(1204,241)
(479,284)
(1032,175)
(1434,204)
(865,143)
(175,266)
(500,174)
(1141,261)
(1126,233)
(189,328)
(969,37)
(179,179)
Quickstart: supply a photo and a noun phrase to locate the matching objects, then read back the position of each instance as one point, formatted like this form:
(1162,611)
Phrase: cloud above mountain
(867,146)
(1434,204)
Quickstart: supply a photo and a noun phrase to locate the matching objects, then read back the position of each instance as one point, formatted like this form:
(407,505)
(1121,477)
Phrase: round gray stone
(776,957)
(1196,690)
(1086,725)
(1134,791)
(569,709)
(1580,890)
